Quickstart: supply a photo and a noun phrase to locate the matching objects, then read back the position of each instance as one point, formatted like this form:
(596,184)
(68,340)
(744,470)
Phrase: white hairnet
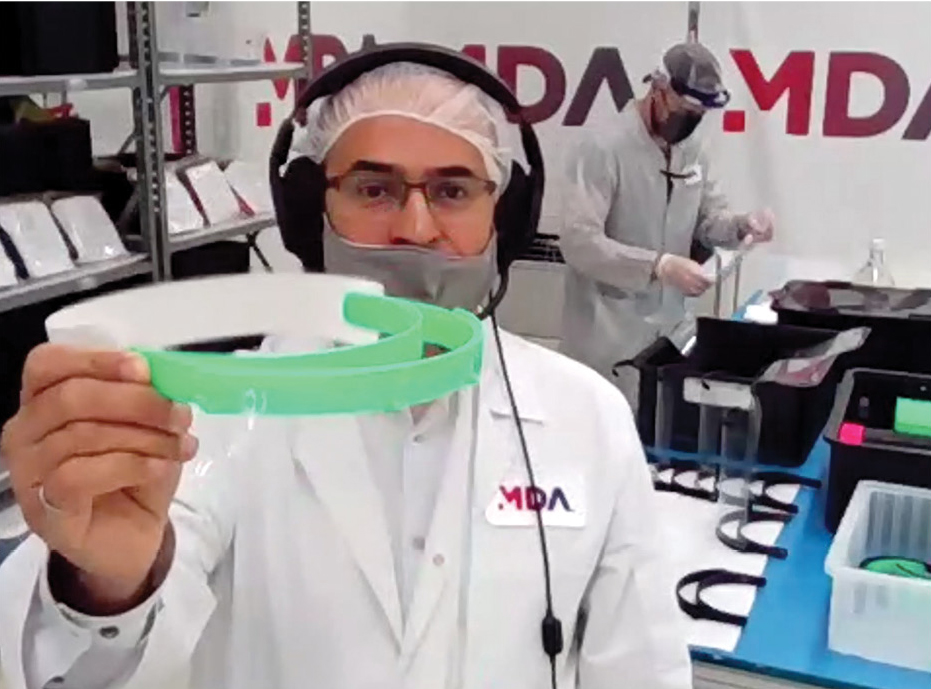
(421,93)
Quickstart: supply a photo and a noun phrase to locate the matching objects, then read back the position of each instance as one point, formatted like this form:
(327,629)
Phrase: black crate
(868,397)
(738,352)
(899,320)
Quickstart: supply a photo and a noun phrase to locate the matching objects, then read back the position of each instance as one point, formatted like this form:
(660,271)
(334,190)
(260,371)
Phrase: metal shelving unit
(81,279)
(148,82)
(130,76)
(230,230)
(123,77)
(186,75)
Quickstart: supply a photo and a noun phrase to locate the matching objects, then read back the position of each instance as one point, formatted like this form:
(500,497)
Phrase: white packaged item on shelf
(89,228)
(7,271)
(882,617)
(183,215)
(36,236)
(213,192)
(250,182)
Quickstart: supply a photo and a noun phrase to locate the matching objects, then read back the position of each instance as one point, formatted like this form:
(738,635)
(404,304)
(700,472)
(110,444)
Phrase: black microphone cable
(551,627)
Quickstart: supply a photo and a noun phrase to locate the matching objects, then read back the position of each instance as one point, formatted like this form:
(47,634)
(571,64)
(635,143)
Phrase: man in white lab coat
(378,552)
(639,196)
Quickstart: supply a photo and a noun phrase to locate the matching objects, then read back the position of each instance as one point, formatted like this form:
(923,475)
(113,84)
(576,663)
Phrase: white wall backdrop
(831,194)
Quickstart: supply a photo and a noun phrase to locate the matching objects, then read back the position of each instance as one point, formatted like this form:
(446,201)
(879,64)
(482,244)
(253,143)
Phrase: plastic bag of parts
(334,351)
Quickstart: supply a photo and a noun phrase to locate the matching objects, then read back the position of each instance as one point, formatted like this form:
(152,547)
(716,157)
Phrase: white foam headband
(186,311)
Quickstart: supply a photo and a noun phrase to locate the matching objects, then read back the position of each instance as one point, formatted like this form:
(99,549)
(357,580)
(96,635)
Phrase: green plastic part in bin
(913,416)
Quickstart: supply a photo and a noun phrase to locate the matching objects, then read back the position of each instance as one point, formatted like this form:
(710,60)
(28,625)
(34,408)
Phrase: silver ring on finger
(46,505)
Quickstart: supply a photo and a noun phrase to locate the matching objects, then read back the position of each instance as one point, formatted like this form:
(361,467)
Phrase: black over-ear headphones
(298,195)
(299,204)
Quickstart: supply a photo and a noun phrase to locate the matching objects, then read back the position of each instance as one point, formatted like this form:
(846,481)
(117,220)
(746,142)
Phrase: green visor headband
(381,367)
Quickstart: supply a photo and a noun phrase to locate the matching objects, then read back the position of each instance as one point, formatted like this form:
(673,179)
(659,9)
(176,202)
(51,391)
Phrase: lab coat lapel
(499,448)
(440,569)
(332,453)
(473,477)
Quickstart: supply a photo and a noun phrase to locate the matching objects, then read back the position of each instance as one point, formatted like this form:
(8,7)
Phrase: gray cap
(696,74)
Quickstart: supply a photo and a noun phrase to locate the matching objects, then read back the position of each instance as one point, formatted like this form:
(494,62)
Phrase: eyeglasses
(386,191)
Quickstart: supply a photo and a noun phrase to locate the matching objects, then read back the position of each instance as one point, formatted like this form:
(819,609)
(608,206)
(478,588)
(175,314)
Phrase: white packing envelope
(183,215)
(7,270)
(89,228)
(36,236)
(213,193)
(250,182)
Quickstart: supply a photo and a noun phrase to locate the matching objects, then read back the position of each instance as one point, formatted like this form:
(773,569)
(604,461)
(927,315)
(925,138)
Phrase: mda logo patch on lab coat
(560,501)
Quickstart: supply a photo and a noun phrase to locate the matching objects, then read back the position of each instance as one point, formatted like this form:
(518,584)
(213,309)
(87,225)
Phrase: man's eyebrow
(446,171)
(454,171)
(371,166)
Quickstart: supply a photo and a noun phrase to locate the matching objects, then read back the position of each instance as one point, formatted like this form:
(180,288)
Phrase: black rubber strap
(770,479)
(779,478)
(681,466)
(705,579)
(741,543)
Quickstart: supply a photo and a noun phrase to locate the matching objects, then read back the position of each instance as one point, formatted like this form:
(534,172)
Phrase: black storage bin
(738,352)
(216,258)
(868,397)
(44,38)
(899,320)
(45,156)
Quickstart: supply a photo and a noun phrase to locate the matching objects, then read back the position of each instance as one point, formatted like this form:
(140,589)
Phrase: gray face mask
(413,272)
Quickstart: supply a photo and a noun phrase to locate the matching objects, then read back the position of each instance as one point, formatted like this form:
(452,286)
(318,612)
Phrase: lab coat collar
(523,382)
(331,450)
(333,455)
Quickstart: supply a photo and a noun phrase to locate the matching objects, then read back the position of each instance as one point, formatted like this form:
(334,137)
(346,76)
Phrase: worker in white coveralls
(639,195)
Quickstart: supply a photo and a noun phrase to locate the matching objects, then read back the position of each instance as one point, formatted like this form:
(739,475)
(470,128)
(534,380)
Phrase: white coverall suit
(620,218)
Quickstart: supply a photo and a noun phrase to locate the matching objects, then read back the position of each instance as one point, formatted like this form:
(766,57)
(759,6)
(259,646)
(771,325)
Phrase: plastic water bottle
(874,272)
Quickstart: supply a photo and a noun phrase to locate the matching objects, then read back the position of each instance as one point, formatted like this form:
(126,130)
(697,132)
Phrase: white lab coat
(283,574)
(618,222)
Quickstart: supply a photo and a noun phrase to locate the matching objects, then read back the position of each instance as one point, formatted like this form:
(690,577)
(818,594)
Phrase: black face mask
(678,125)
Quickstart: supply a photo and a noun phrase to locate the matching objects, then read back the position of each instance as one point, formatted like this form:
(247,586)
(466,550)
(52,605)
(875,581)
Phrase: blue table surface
(787,632)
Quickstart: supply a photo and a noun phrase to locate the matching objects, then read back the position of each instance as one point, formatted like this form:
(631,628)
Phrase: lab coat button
(110,632)
(439,560)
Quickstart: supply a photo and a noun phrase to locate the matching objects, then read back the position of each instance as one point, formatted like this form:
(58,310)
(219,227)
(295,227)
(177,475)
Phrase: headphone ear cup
(300,209)
(513,222)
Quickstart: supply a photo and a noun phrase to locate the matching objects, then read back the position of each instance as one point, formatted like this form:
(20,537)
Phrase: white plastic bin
(881,617)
